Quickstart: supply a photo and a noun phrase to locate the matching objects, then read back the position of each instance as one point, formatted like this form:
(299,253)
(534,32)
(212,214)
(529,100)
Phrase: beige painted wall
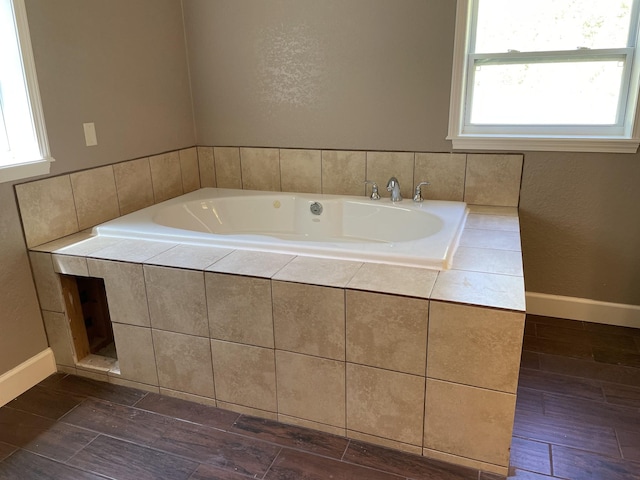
(21,330)
(350,74)
(120,64)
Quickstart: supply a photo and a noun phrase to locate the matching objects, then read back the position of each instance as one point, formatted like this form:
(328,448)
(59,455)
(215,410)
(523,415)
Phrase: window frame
(624,137)
(20,168)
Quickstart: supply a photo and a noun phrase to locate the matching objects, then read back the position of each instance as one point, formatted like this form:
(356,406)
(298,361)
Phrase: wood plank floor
(578,417)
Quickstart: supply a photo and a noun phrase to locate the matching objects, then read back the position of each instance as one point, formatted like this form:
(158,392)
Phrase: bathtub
(342,227)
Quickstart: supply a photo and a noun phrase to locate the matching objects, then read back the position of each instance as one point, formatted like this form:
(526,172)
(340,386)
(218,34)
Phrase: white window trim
(626,143)
(41,166)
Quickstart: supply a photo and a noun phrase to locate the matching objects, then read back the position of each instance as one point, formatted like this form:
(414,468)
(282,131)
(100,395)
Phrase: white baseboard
(21,378)
(583,309)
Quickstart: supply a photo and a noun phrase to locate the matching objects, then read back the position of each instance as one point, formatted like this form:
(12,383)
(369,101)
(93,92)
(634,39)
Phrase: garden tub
(407,233)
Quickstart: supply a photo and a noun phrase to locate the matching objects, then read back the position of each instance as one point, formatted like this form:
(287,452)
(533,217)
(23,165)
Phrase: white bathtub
(352,228)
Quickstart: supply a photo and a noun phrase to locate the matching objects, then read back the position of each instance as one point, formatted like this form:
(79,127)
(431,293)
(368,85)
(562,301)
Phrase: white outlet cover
(90,138)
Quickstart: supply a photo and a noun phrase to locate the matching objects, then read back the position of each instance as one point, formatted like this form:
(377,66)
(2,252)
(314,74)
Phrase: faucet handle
(374,189)
(417,197)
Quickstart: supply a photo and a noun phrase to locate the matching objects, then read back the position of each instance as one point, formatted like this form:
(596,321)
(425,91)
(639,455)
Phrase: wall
(119,64)
(375,74)
(357,74)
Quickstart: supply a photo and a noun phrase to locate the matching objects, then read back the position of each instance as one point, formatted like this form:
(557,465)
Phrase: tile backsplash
(58,206)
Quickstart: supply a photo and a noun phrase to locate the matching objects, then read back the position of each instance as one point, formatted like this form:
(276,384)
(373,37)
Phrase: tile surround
(260,168)
(384,403)
(387,331)
(309,319)
(240,309)
(182,365)
(493,179)
(133,185)
(445,173)
(206,166)
(47,209)
(190,169)
(94,193)
(468,421)
(245,375)
(176,299)
(381,166)
(227,167)
(343,173)
(319,397)
(166,176)
(300,171)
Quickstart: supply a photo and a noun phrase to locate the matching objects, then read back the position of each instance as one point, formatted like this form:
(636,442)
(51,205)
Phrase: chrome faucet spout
(393,186)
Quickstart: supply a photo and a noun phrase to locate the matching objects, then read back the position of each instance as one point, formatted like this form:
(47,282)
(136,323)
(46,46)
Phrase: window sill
(564,144)
(25,170)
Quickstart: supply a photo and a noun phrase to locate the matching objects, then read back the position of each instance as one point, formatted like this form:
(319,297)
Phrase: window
(545,75)
(24,150)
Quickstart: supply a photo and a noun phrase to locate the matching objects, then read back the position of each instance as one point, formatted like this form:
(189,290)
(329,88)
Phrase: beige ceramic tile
(95,196)
(254,412)
(493,179)
(408,281)
(59,337)
(311,388)
(504,262)
(63,242)
(166,176)
(245,375)
(476,288)
(118,380)
(300,170)
(387,331)
(494,239)
(188,397)
(466,462)
(133,183)
(445,172)
(70,265)
(126,294)
(135,353)
(132,250)
(493,222)
(47,282)
(254,264)
(227,167)
(99,376)
(87,246)
(475,346)
(309,319)
(177,300)
(490,210)
(321,427)
(384,442)
(343,172)
(97,363)
(469,421)
(385,404)
(318,271)
(47,209)
(207,167)
(184,363)
(66,369)
(240,309)
(189,256)
(190,169)
(381,166)
(260,168)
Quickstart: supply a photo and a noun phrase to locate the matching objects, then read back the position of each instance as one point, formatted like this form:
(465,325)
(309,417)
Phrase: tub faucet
(393,186)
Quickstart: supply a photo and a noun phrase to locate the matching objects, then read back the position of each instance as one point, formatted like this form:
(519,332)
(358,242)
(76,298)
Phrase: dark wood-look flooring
(578,417)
